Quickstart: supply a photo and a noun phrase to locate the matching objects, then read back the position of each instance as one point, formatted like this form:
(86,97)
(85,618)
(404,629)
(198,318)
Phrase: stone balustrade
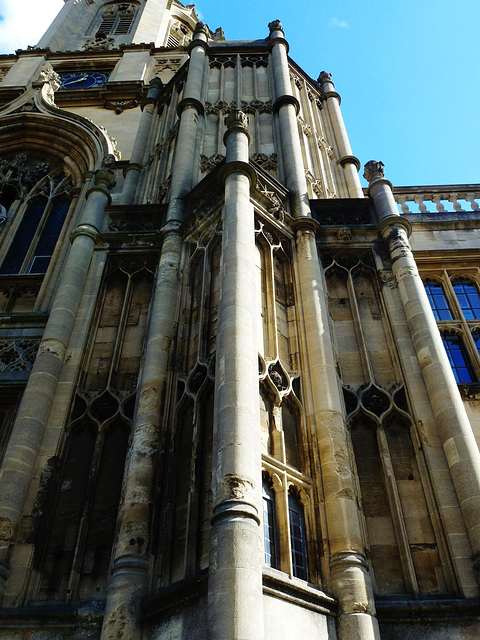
(438,198)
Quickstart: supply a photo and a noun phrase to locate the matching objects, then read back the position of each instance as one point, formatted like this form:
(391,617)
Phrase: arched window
(269,528)
(437,299)
(117,19)
(34,242)
(468,298)
(298,542)
(457,357)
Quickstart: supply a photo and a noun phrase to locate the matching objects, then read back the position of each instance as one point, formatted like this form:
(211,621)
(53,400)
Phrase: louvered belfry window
(118,19)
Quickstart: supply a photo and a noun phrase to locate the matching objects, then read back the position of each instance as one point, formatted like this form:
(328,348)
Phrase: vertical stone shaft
(235,605)
(25,441)
(287,107)
(129,580)
(135,166)
(454,428)
(350,579)
(349,162)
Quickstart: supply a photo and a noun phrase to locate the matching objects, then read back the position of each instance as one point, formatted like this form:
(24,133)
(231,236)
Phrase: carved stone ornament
(119,106)
(324,77)
(105,177)
(209,163)
(344,234)
(373,170)
(275,25)
(200,27)
(236,119)
(101,42)
(49,76)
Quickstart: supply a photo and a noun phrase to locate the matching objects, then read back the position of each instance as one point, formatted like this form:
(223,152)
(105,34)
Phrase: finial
(373,170)
(200,28)
(324,77)
(275,25)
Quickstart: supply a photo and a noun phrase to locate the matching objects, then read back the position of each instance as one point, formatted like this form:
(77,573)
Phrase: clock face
(83,79)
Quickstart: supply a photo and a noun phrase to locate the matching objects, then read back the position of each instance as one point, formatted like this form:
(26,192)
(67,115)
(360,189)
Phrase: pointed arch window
(269,528)
(298,546)
(33,244)
(118,19)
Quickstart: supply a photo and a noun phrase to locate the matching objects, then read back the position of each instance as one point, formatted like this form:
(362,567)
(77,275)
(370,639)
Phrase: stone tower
(227,410)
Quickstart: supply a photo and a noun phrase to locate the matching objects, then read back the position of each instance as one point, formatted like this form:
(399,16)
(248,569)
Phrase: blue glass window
(269,526)
(476,338)
(468,298)
(437,299)
(297,537)
(457,357)
(33,217)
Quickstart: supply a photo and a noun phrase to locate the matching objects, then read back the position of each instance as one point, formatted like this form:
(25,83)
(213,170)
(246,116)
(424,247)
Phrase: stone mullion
(27,435)
(350,580)
(82,533)
(397,513)
(50,278)
(236,543)
(129,579)
(357,323)
(452,422)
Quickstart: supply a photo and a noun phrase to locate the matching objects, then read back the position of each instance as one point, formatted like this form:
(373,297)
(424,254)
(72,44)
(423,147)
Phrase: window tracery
(117,19)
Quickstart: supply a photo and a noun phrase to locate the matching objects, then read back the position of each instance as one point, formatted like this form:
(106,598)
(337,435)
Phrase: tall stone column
(350,580)
(135,166)
(286,106)
(235,606)
(347,160)
(452,422)
(129,579)
(25,441)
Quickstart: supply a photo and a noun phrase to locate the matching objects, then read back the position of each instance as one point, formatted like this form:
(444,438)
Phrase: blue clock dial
(83,79)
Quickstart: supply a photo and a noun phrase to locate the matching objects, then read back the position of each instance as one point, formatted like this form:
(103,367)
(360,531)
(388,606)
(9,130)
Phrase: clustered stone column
(347,160)
(27,434)
(135,166)
(235,605)
(350,580)
(287,108)
(129,580)
(451,419)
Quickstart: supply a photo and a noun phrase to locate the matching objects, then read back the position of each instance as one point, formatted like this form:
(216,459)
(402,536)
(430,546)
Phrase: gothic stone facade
(239,394)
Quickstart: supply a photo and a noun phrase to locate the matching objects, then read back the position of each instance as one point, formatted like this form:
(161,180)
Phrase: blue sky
(407,71)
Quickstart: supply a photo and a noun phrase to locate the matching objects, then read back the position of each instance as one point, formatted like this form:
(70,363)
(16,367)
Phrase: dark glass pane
(49,236)
(437,300)
(269,527)
(457,357)
(468,298)
(23,238)
(297,538)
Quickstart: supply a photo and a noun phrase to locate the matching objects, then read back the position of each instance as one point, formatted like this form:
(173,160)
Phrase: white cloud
(341,24)
(23,22)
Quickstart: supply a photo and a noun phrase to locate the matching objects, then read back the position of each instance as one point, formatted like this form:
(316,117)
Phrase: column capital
(153,94)
(391,225)
(349,160)
(236,122)
(305,223)
(105,177)
(237,166)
